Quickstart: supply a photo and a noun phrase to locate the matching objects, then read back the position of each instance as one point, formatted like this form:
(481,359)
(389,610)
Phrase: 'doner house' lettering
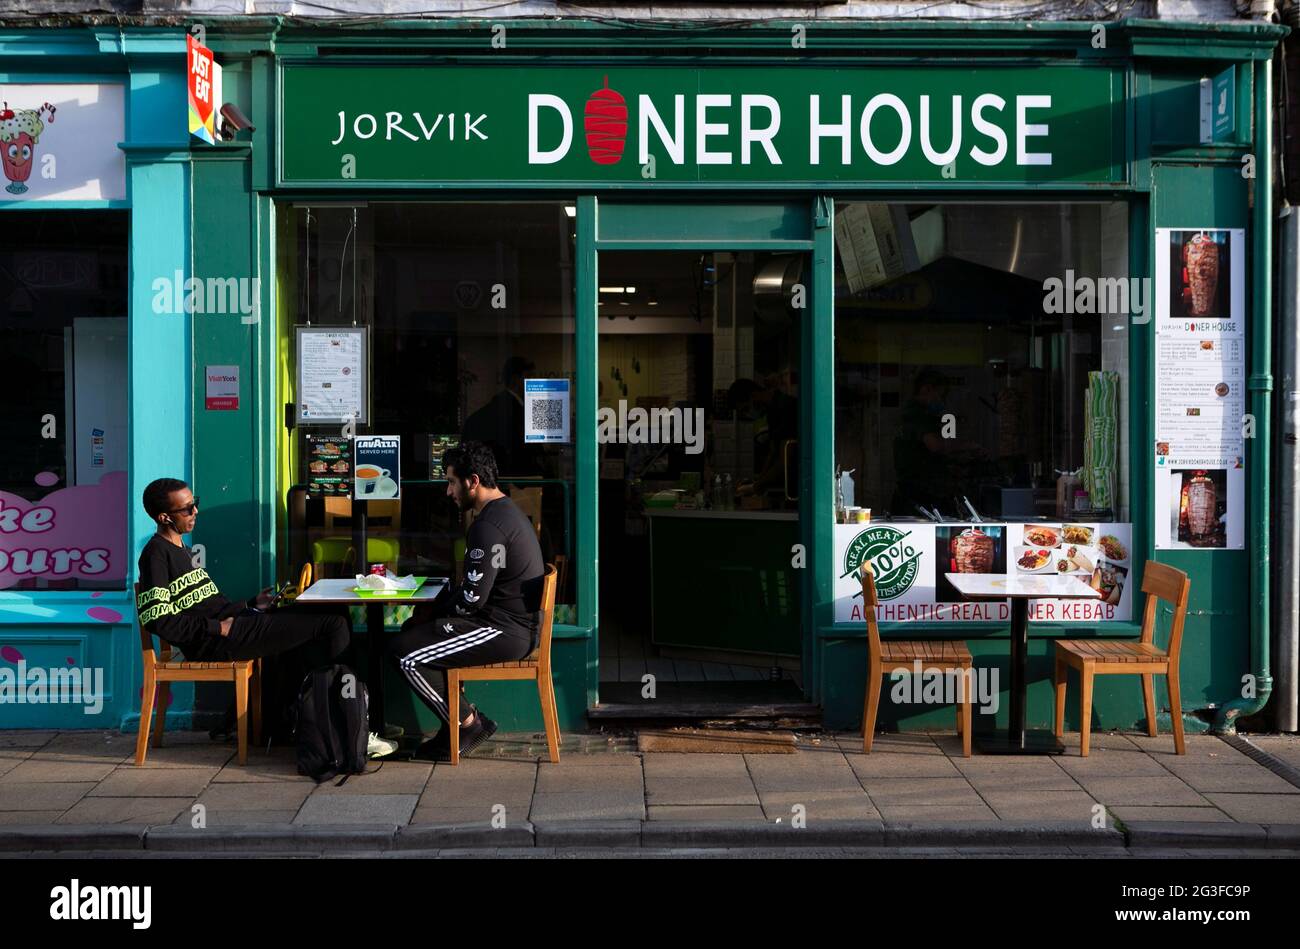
(833,129)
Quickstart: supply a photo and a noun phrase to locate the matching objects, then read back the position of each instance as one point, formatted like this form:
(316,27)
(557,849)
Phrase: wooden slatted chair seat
(535,666)
(941,652)
(1095,650)
(884,657)
(181,665)
(160,670)
(1093,657)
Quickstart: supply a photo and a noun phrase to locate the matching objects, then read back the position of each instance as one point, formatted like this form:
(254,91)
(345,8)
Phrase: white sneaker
(378,747)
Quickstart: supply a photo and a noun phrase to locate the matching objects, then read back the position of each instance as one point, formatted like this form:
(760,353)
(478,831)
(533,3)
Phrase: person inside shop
(500,423)
(179,603)
(922,455)
(777,415)
(490,616)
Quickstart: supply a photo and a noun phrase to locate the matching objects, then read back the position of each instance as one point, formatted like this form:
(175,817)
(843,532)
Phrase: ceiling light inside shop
(570,210)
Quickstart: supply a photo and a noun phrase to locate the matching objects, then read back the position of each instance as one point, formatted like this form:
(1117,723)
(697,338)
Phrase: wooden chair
(160,670)
(1094,657)
(938,655)
(536,666)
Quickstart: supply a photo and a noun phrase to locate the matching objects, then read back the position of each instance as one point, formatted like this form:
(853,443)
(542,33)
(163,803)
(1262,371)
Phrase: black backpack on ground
(331,726)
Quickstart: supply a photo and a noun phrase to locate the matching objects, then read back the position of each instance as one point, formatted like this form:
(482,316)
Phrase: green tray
(390,594)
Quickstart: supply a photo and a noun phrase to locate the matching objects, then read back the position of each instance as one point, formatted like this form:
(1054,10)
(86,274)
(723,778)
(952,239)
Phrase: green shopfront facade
(738,143)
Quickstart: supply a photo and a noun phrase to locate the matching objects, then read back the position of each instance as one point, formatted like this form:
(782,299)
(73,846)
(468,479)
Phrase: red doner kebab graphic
(1201,256)
(605,123)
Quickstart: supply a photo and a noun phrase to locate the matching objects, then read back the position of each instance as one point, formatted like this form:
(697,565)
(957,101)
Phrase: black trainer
(471,736)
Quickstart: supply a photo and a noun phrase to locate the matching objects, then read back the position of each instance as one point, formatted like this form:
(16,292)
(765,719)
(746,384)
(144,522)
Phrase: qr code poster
(546,411)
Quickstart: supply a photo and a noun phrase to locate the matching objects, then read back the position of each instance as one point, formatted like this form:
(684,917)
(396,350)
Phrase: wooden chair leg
(160,721)
(555,717)
(966,690)
(1085,708)
(453,713)
(241,713)
(255,702)
(959,692)
(146,716)
(1176,710)
(1149,702)
(1060,675)
(870,709)
(547,697)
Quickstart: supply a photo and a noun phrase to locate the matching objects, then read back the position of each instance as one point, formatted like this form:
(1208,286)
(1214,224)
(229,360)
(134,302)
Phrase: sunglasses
(187,509)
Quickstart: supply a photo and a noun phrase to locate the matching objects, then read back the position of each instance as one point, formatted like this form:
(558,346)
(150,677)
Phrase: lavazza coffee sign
(412,124)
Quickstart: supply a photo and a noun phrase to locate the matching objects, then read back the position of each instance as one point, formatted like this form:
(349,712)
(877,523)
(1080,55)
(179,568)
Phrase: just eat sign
(204,90)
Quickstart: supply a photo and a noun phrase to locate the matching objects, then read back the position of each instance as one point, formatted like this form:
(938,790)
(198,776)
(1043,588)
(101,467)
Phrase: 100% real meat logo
(894,562)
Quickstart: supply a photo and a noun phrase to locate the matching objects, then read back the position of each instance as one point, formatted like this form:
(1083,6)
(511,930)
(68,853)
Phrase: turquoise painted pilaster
(159,344)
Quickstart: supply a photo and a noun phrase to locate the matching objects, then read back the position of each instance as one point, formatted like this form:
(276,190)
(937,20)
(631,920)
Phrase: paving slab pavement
(75,790)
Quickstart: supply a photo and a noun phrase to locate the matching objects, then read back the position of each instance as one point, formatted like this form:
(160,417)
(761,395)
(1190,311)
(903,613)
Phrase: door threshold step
(704,711)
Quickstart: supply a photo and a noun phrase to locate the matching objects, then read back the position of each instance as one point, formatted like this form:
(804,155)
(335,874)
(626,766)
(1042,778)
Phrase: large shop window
(63,405)
(961,376)
(982,385)
(464,305)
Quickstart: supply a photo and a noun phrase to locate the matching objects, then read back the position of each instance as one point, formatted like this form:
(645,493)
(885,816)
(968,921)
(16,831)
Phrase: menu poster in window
(438,445)
(909,562)
(546,411)
(1200,370)
(329,466)
(333,384)
(875,244)
(377,467)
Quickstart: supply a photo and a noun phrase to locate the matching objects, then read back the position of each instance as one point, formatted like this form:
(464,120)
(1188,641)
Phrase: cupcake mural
(20,130)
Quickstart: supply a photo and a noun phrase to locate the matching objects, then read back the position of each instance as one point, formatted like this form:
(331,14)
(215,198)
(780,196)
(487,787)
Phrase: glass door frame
(799,223)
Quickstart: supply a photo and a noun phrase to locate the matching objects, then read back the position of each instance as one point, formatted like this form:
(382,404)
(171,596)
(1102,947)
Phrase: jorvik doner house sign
(639,125)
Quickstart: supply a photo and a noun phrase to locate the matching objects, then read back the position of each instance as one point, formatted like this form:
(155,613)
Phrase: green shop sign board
(642,124)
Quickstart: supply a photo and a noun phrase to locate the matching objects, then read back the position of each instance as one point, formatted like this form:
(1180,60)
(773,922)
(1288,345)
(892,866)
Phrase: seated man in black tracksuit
(491,616)
(179,603)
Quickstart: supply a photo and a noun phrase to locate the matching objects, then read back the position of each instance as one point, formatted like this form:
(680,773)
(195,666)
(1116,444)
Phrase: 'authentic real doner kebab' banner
(909,562)
(630,124)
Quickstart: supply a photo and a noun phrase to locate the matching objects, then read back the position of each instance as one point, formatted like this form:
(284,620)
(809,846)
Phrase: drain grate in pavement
(1257,754)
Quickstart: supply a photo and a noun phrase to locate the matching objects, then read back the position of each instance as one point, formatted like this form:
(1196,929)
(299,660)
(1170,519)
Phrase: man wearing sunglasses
(180,603)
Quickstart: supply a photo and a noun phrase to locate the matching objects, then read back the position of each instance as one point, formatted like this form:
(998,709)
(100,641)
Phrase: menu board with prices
(332,374)
(1200,389)
(329,466)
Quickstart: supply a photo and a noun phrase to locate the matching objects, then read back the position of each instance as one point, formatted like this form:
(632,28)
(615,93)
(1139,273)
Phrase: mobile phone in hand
(278,595)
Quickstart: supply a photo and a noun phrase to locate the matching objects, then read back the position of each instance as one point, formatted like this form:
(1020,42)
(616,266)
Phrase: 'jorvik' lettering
(366,125)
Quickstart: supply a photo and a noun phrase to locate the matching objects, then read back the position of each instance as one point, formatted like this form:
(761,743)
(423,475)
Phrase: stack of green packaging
(1101,438)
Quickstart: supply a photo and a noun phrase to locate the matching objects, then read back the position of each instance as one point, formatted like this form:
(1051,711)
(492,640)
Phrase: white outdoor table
(339,591)
(1020,590)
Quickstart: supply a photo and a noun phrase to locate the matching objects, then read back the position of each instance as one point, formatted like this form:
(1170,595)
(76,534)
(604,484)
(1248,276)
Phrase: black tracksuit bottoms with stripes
(423,651)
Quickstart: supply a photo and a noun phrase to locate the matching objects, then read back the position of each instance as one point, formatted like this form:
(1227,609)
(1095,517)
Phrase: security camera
(232,121)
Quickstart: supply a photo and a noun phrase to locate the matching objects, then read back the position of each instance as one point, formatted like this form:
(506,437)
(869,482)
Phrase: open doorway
(699,469)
